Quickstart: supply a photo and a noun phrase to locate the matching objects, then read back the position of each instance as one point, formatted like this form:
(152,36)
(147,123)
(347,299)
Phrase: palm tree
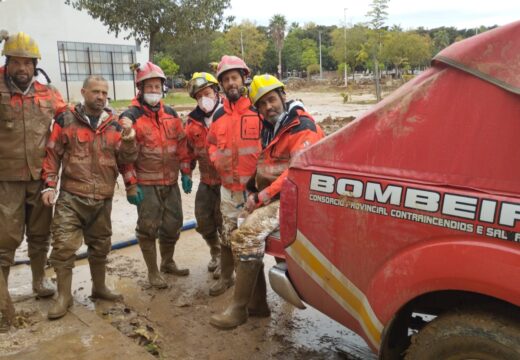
(277,26)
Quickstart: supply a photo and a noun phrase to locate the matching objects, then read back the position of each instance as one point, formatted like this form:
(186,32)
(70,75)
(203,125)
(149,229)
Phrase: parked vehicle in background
(404,226)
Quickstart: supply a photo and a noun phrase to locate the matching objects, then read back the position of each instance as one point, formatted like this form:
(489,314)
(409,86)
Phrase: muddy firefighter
(152,180)
(89,145)
(203,87)
(287,129)
(28,104)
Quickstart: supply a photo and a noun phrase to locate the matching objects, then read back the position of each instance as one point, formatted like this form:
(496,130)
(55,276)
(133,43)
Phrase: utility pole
(321,70)
(345,34)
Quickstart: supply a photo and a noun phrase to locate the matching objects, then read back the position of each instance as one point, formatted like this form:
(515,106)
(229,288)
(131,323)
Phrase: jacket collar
(240,106)
(104,119)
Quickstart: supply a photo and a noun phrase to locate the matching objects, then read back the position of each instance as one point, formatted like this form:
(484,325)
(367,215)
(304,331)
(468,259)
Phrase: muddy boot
(99,288)
(258,306)
(216,273)
(236,312)
(150,258)
(64,300)
(226,272)
(41,285)
(214,250)
(167,264)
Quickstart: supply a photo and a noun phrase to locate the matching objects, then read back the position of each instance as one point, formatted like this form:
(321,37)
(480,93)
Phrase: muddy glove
(134,194)
(186,183)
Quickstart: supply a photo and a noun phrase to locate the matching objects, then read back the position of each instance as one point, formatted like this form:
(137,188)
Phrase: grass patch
(173,98)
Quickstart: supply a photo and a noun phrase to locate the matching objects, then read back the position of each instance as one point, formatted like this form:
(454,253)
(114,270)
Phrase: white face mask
(206,104)
(152,99)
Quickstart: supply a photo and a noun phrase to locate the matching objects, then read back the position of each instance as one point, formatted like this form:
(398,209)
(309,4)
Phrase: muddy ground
(174,323)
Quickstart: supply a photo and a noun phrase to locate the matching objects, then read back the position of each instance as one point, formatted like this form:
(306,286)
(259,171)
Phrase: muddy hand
(126,124)
(49,197)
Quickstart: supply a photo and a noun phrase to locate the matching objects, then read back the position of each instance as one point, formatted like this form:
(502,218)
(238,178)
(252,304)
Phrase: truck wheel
(467,335)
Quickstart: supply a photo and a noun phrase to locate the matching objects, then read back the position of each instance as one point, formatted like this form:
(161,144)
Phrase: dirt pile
(330,124)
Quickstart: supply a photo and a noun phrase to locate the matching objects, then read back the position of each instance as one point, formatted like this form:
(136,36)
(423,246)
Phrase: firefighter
(28,104)
(203,87)
(89,144)
(233,146)
(287,129)
(152,180)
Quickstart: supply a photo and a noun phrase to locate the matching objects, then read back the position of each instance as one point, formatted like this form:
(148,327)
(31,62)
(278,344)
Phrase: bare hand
(48,198)
(126,124)
(250,203)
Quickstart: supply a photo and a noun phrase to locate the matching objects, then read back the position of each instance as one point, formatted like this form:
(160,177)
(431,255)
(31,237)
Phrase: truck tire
(467,335)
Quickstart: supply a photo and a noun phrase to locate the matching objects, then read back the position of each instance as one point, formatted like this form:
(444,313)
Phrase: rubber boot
(64,300)
(5,325)
(40,284)
(226,272)
(258,306)
(236,312)
(167,264)
(150,258)
(214,250)
(99,288)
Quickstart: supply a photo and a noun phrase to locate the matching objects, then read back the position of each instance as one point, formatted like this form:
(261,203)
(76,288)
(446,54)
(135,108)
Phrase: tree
(357,36)
(277,26)
(377,15)
(246,37)
(146,19)
(406,48)
(166,63)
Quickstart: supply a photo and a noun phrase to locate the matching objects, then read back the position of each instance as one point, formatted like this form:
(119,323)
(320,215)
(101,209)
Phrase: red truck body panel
(420,194)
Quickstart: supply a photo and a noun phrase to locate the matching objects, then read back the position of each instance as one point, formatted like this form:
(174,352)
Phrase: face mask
(206,104)
(152,99)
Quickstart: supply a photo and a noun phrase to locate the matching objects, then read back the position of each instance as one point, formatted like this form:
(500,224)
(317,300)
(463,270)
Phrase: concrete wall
(50,21)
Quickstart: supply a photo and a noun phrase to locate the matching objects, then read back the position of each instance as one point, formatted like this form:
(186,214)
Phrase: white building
(74,45)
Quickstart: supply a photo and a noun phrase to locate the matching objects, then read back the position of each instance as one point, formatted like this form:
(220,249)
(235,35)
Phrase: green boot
(258,306)
(236,312)
(149,251)
(99,288)
(40,284)
(167,264)
(226,272)
(64,300)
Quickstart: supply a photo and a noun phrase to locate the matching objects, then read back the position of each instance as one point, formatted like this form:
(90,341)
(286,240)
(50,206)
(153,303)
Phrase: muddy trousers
(209,219)
(160,215)
(77,218)
(22,211)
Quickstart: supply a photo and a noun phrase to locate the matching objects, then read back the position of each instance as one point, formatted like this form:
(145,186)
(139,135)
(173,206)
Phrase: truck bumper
(282,285)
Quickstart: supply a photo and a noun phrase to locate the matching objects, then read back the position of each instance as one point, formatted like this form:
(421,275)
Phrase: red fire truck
(405,225)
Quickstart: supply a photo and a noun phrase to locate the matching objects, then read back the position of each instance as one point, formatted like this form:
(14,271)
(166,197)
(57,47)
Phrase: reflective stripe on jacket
(297,131)
(161,143)
(89,157)
(197,132)
(234,143)
(25,122)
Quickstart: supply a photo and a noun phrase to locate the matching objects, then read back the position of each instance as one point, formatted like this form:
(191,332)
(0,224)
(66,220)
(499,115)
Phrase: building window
(78,60)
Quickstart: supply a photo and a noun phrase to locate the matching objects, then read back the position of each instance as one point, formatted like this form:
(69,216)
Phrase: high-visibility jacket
(234,143)
(197,133)
(297,130)
(25,123)
(89,157)
(161,143)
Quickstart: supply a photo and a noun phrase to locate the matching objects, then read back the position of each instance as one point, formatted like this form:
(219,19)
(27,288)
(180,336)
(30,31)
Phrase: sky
(409,14)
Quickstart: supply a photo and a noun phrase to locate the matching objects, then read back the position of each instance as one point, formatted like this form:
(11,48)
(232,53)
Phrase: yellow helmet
(21,45)
(261,85)
(199,81)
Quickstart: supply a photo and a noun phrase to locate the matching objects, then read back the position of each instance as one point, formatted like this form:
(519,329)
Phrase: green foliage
(313,69)
(146,19)
(277,26)
(167,64)
(406,48)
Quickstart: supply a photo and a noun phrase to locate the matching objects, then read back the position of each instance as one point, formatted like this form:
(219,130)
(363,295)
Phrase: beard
(22,80)
(233,94)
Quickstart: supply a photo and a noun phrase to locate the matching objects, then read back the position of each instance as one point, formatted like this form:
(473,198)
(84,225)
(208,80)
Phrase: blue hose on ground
(188,225)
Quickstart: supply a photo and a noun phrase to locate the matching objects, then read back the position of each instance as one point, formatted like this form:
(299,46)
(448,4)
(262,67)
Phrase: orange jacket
(234,143)
(89,157)
(161,143)
(296,131)
(25,122)
(197,133)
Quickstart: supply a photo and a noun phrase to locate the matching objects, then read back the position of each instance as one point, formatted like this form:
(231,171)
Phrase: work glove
(134,194)
(186,183)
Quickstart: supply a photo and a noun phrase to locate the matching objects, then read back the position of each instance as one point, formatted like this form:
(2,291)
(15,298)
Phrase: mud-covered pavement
(174,323)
